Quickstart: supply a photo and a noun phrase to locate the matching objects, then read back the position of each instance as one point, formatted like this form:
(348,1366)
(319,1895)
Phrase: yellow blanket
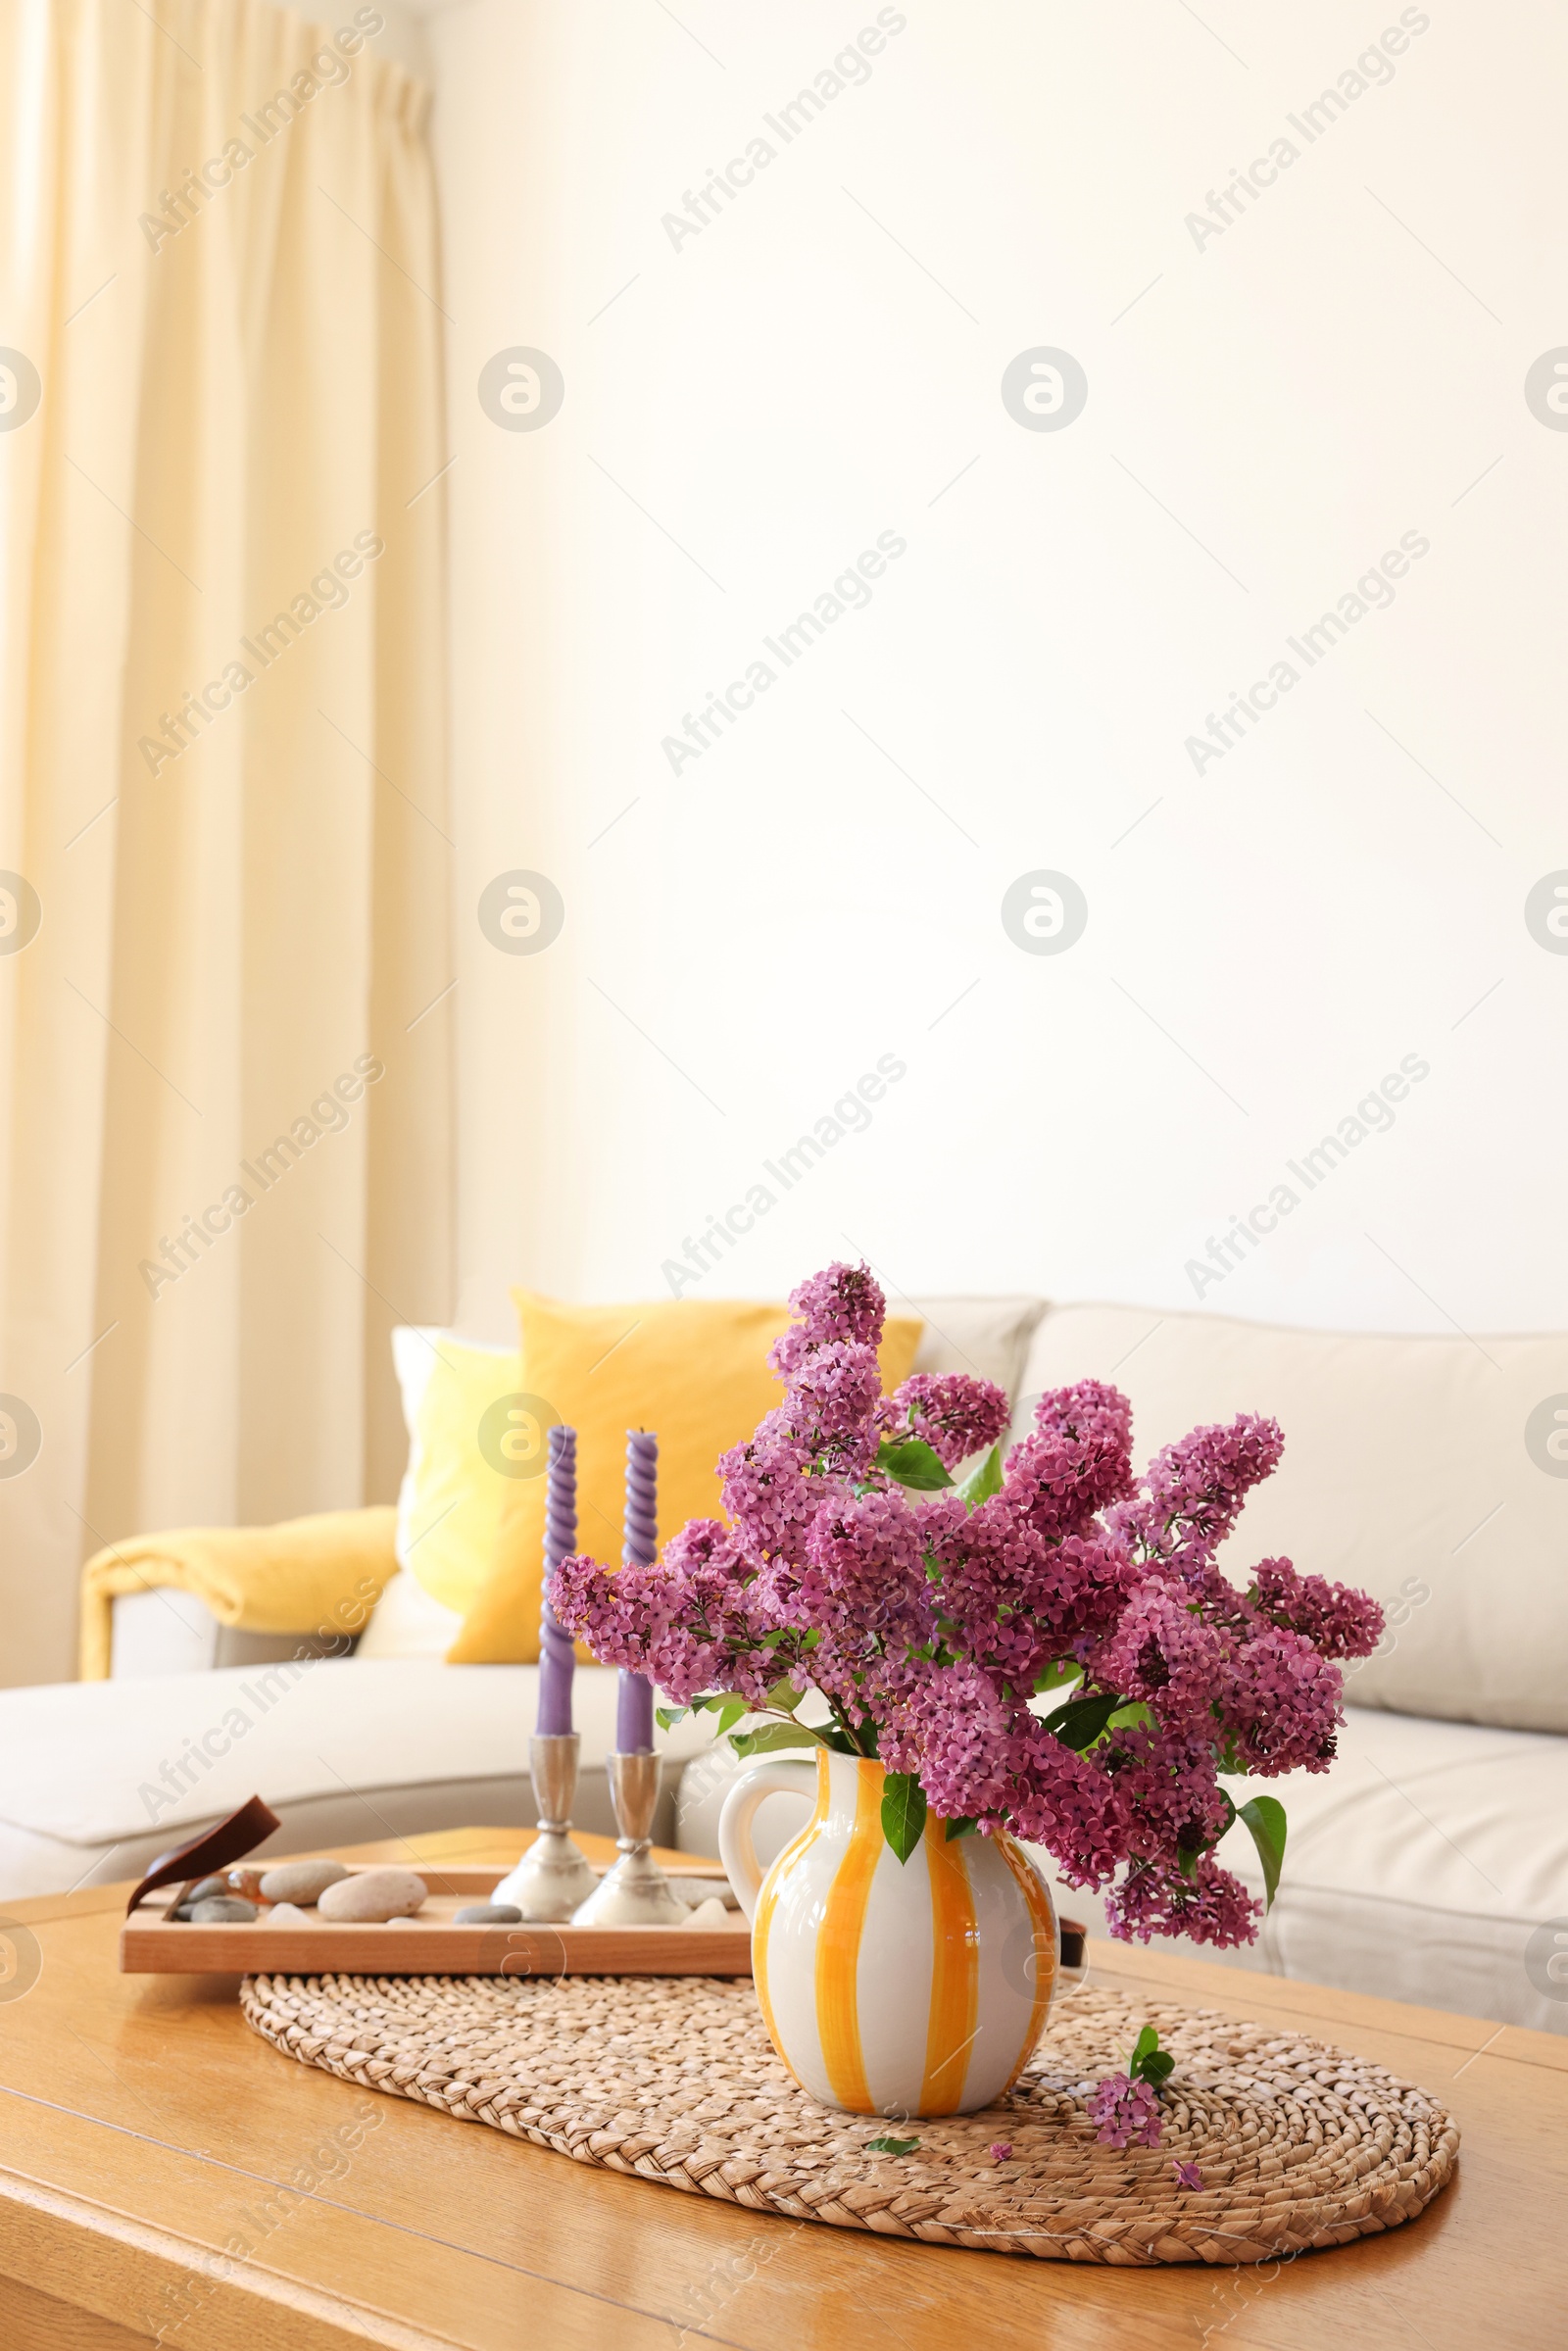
(319,1575)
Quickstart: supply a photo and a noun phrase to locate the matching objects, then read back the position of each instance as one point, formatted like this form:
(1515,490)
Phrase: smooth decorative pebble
(401,1921)
(300,1881)
(209,1889)
(246,1883)
(379,1894)
(710,1913)
(489,1914)
(287,1914)
(220,1910)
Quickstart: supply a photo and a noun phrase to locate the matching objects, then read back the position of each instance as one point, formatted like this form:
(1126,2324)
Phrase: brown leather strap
(214,1849)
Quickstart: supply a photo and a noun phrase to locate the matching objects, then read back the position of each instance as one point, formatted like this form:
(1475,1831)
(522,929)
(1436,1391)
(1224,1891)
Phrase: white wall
(1342,365)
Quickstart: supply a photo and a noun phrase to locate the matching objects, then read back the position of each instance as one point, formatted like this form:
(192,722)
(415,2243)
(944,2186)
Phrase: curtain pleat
(224,1047)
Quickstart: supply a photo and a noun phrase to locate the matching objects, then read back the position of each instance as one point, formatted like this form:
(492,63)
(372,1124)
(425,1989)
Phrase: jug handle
(736,1850)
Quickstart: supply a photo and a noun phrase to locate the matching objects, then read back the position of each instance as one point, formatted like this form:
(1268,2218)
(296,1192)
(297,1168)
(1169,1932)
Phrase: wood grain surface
(429,1943)
(166,2177)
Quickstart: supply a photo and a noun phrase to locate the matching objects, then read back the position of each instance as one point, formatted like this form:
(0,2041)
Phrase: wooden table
(143,2127)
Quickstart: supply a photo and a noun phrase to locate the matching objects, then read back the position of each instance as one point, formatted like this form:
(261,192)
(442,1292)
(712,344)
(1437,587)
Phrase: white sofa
(1430,1864)
(98,1777)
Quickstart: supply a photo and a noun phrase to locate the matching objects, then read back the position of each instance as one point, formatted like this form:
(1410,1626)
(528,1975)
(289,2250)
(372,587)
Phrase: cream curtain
(225,1044)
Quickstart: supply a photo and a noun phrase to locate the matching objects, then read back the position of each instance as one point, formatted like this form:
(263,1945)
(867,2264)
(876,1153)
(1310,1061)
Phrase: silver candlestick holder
(635,1892)
(553,1877)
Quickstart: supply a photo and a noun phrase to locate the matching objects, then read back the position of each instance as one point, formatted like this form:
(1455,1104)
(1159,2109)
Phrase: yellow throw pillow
(450,1500)
(692,1370)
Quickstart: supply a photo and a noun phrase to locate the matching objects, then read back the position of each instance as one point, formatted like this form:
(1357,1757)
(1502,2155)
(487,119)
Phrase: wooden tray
(153,1945)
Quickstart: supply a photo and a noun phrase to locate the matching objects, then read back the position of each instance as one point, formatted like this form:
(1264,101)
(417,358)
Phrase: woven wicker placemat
(673,2078)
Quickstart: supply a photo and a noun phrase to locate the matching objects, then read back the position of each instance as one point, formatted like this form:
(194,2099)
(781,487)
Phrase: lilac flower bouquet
(1044,1645)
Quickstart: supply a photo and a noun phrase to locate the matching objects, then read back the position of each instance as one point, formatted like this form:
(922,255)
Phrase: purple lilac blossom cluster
(933,1617)
(1126,2112)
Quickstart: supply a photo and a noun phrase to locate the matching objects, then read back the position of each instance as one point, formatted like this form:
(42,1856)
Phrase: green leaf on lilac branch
(982,1482)
(667,1717)
(1134,1716)
(1149,2061)
(912,1463)
(1058,1676)
(776,1735)
(730,1714)
(784,1696)
(1081,1721)
(1265,1816)
(963,1827)
(903,1811)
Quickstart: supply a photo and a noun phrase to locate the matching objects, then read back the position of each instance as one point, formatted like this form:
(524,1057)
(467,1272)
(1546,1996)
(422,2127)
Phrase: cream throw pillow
(1420,1469)
(407,1623)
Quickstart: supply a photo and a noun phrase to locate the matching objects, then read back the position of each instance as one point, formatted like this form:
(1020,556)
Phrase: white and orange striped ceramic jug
(896,1989)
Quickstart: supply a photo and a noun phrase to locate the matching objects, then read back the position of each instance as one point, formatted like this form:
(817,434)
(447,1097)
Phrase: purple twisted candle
(556,1663)
(634,1704)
